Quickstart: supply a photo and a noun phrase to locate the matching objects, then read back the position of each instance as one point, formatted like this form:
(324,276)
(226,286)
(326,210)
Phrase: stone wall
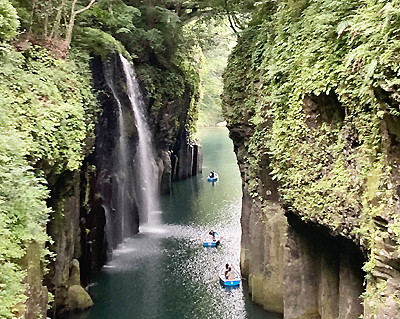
(300,270)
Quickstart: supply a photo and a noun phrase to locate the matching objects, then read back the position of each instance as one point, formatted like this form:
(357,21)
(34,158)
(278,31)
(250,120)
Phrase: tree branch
(70,27)
(229,17)
(92,2)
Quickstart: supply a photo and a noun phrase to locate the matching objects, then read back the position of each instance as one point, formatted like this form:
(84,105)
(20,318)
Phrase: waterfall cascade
(123,218)
(134,170)
(145,162)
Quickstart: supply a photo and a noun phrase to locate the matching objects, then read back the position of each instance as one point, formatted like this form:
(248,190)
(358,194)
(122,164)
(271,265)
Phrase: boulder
(78,298)
(74,273)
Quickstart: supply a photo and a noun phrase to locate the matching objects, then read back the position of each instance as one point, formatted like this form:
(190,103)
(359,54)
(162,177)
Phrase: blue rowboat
(229,282)
(213,179)
(210,241)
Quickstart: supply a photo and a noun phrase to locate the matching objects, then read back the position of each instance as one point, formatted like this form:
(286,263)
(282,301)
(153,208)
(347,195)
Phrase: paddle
(212,280)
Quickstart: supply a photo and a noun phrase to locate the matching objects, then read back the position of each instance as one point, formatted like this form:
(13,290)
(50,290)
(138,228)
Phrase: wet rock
(74,273)
(78,298)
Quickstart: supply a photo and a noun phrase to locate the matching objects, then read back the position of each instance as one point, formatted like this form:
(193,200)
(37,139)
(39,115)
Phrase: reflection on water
(164,272)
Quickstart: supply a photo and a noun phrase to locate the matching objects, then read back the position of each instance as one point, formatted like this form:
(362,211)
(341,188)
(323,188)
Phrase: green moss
(47,112)
(312,81)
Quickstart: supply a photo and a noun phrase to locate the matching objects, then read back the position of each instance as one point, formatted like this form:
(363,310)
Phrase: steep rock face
(331,177)
(36,304)
(313,124)
(298,269)
(64,229)
(84,202)
(186,157)
(293,268)
(323,276)
(104,179)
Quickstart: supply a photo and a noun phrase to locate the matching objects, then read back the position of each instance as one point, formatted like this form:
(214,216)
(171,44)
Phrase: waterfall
(145,162)
(120,223)
(129,178)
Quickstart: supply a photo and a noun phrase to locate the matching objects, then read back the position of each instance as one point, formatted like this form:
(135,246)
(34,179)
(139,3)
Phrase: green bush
(45,105)
(8,20)
(317,82)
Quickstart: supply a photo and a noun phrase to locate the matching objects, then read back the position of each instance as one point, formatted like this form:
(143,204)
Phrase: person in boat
(230,274)
(226,270)
(212,234)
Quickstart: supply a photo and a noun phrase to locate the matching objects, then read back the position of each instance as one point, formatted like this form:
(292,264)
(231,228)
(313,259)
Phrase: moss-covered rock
(311,100)
(78,298)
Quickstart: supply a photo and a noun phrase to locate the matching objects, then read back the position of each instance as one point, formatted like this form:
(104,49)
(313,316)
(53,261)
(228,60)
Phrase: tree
(8,20)
(70,27)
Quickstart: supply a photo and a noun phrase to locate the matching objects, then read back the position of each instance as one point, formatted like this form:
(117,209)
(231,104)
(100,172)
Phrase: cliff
(312,108)
(60,185)
(88,225)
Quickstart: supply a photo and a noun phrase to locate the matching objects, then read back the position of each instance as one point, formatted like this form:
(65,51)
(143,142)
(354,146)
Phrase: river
(164,272)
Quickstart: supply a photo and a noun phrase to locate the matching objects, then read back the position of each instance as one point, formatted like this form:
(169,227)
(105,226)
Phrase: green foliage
(160,84)
(313,80)
(143,31)
(45,109)
(165,56)
(48,104)
(102,28)
(8,20)
(216,41)
(98,42)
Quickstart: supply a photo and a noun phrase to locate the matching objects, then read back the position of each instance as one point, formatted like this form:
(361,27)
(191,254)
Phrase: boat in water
(212,177)
(211,240)
(231,282)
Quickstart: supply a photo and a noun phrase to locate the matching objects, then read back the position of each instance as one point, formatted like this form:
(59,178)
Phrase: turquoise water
(164,272)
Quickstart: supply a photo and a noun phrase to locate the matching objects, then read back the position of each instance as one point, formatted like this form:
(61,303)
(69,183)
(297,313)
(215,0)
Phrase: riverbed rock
(78,298)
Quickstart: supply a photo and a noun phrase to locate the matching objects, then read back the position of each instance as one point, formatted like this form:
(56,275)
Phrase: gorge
(311,104)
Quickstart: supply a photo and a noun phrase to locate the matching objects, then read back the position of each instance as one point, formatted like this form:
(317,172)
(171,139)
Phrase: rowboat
(211,241)
(229,282)
(212,179)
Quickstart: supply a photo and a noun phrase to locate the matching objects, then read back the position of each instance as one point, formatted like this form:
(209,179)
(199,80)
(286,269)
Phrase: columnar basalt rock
(294,268)
(186,157)
(303,269)
(307,269)
(64,230)
(84,202)
(36,304)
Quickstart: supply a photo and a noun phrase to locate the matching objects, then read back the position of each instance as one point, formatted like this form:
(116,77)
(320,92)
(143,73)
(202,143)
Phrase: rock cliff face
(304,268)
(318,146)
(85,202)
(299,269)
(63,227)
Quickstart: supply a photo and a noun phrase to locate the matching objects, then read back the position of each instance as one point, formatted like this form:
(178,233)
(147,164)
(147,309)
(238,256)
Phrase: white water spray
(123,219)
(148,205)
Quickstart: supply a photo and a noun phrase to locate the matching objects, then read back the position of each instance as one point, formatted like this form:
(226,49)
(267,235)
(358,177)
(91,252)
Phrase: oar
(212,280)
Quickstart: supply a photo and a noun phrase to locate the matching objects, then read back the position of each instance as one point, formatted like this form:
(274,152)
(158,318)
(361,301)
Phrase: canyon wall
(60,188)
(317,144)
(85,201)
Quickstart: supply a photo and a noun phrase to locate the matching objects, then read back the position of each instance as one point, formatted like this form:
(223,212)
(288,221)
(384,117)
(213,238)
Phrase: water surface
(164,272)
